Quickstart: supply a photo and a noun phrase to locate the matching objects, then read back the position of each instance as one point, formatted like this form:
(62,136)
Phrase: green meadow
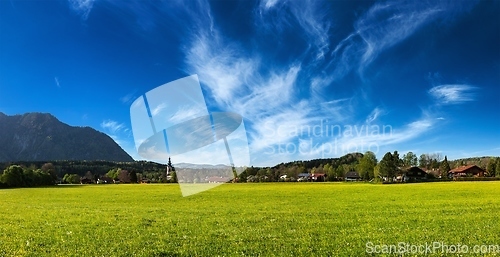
(266,219)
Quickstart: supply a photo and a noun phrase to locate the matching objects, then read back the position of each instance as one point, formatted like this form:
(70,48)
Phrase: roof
(463,169)
(415,172)
(318,175)
(352,174)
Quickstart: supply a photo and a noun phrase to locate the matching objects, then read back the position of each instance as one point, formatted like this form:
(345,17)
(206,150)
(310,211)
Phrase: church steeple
(170,168)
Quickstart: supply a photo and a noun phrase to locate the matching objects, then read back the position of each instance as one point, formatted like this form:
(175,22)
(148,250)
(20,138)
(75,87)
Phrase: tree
(89,176)
(13,176)
(113,173)
(339,172)
(423,161)
(388,166)
(444,167)
(396,160)
(376,172)
(330,172)
(366,165)
(497,170)
(123,176)
(491,167)
(29,178)
(434,163)
(133,177)
(50,169)
(410,159)
(173,177)
(71,178)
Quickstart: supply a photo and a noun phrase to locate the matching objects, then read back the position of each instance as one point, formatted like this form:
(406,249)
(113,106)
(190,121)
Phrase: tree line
(368,167)
(19,176)
(28,174)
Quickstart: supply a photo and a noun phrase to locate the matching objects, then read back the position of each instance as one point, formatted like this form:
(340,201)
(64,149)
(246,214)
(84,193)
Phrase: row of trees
(335,168)
(118,175)
(18,176)
(82,167)
(367,165)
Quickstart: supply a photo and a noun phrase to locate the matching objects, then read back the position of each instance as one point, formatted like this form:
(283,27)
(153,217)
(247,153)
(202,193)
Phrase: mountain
(184,165)
(42,137)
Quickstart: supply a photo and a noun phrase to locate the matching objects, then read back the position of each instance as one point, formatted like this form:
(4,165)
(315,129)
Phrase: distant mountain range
(184,165)
(42,137)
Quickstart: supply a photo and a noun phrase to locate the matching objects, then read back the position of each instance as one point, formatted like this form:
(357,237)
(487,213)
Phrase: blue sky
(384,75)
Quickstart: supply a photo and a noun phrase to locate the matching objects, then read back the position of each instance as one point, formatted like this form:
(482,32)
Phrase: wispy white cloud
(384,25)
(186,113)
(122,135)
(112,126)
(267,4)
(453,94)
(220,66)
(81,7)
(311,17)
(128,98)
(155,111)
(282,96)
(56,79)
(373,115)
(270,101)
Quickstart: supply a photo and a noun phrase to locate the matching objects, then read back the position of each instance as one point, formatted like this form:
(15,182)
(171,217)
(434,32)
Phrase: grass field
(269,219)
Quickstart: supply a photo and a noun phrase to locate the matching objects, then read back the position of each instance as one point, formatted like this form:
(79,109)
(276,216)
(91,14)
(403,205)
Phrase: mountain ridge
(42,137)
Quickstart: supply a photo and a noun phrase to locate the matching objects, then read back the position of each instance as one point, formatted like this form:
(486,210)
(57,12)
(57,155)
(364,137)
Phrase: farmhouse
(414,174)
(352,176)
(85,180)
(105,180)
(318,177)
(303,177)
(467,171)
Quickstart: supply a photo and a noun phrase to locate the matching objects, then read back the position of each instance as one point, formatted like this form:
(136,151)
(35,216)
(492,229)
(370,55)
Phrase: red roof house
(318,177)
(467,171)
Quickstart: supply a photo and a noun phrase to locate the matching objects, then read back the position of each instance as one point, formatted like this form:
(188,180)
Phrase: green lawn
(282,219)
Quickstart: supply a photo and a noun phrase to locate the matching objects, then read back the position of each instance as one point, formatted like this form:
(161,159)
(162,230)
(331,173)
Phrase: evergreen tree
(444,167)
(133,177)
(388,166)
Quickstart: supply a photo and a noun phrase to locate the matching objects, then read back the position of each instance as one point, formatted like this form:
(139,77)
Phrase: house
(467,171)
(303,177)
(85,180)
(318,177)
(105,180)
(352,176)
(414,174)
